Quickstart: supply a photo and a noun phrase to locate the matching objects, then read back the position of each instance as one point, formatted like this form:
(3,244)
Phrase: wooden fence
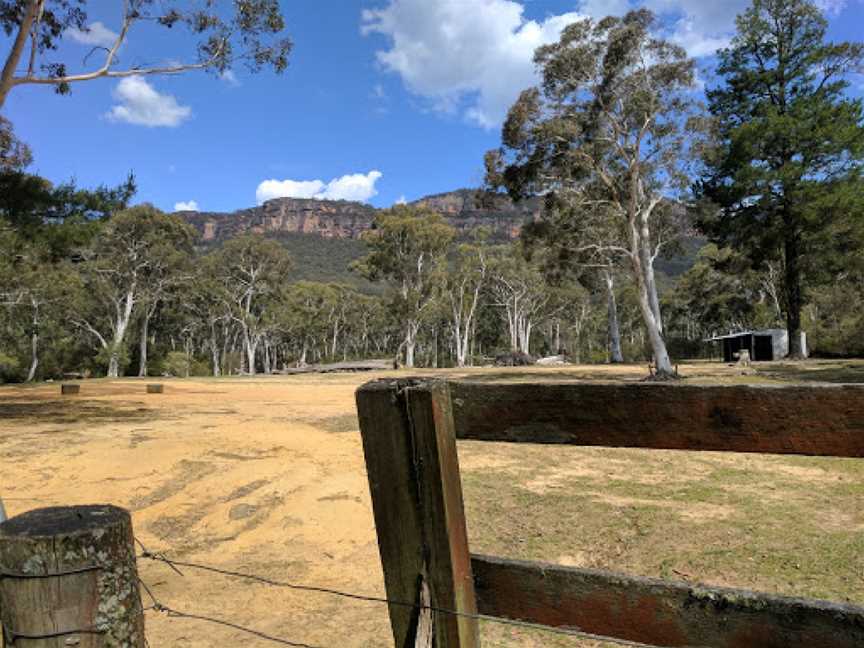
(409,430)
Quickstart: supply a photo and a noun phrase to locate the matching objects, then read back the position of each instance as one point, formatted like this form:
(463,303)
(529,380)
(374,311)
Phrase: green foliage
(405,245)
(325,260)
(63,219)
(14,154)
(408,247)
(177,364)
(785,166)
(721,293)
(8,368)
(251,33)
(115,355)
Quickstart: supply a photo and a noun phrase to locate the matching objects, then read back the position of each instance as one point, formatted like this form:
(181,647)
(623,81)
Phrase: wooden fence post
(68,578)
(410,449)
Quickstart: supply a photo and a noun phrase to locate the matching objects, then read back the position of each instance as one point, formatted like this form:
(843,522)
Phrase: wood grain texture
(424,622)
(825,420)
(70,572)
(388,450)
(661,613)
(414,480)
(443,514)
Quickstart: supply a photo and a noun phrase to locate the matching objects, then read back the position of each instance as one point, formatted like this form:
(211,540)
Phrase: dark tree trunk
(792,288)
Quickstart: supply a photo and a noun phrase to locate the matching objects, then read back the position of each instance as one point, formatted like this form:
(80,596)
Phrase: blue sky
(383,100)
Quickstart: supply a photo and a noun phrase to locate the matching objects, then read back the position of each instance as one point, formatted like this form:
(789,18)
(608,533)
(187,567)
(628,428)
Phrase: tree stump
(70,389)
(69,578)
(155,389)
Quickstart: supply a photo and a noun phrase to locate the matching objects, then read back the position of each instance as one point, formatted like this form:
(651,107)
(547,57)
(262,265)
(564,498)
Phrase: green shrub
(177,364)
(9,367)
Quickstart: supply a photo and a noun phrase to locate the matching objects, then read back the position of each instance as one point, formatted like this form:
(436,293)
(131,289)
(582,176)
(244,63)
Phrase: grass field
(266,475)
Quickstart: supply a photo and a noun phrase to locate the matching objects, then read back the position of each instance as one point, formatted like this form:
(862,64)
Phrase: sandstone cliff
(348,220)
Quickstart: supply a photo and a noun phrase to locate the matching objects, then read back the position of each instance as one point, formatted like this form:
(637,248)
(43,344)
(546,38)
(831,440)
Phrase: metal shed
(763,345)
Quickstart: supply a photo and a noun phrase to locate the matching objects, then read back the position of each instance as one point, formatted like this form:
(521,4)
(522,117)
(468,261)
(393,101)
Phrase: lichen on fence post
(68,576)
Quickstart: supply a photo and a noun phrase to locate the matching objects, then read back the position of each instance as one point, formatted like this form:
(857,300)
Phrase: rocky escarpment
(348,220)
(326,218)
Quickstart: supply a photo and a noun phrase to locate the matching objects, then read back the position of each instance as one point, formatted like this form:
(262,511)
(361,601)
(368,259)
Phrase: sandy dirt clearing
(266,475)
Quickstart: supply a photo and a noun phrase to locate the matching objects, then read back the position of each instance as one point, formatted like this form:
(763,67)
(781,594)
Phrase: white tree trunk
(410,343)
(615,354)
(34,356)
(121,325)
(641,262)
(214,355)
(142,345)
(251,348)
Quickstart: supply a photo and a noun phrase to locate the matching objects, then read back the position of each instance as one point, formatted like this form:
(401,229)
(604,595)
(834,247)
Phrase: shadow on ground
(55,411)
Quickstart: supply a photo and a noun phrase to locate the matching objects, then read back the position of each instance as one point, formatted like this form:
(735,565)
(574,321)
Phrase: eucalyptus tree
(116,273)
(464,285)
(254,271)
(408,247)
(786,168)
(606,138)
(249,32)
(720,293)
(14,154)
(205,298)
(302,316)
(364,325)
(41,289)
(171,258)
(520,292)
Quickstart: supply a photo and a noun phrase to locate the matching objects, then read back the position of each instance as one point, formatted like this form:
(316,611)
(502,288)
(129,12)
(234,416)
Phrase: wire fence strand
(178,614)
(526,625)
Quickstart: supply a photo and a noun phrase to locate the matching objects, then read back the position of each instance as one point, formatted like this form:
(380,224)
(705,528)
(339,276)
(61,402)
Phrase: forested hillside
(621,218)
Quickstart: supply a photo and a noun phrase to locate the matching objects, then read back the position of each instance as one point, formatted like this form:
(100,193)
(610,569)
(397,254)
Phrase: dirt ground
(266,475)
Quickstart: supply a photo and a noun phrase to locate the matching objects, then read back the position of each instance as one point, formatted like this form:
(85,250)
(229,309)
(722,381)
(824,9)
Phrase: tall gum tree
(463,288)
(785,167)
(521,294)
(248,32)
(408,245)
(253,271)
(116,272)
(606,138)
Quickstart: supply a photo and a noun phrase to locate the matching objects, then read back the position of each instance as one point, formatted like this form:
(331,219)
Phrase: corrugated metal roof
(772,332)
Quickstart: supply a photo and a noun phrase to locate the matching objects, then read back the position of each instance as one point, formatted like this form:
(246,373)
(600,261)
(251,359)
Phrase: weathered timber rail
(825,420)
(409,428)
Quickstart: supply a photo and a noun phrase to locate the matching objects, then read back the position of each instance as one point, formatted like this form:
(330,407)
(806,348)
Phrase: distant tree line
(631,169)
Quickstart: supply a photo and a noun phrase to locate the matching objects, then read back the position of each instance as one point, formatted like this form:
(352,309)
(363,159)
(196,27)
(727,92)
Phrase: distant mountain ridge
(342,219)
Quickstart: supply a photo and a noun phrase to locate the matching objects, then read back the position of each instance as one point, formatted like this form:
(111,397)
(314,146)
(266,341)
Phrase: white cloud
(230,78)
(469,56)
(474,57)
(95,33)
(831,7)
(699,26)
(401,200)
(141,104)
(190,205)
(357,186)
(703,26)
